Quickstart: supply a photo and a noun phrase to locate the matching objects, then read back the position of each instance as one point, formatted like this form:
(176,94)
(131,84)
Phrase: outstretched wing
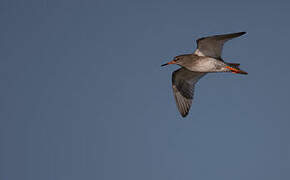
(212,46)
(183,82)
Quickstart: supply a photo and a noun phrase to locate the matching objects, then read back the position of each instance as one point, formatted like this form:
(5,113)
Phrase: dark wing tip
(242,33)
(184,114)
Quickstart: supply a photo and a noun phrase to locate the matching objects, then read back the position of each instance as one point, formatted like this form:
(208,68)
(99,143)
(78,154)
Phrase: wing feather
(183,82)
(212,46)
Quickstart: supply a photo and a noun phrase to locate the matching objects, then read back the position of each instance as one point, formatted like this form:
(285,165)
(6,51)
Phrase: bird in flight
(205,59)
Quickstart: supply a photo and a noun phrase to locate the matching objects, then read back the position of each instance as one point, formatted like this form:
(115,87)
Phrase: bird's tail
(235,68)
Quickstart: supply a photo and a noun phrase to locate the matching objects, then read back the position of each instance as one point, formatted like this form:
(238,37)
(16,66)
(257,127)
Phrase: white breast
(204,65)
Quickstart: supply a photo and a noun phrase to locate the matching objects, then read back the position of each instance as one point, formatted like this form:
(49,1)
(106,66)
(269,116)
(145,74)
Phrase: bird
(205,59)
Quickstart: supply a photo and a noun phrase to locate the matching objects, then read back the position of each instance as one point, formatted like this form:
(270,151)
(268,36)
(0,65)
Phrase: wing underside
(183,82)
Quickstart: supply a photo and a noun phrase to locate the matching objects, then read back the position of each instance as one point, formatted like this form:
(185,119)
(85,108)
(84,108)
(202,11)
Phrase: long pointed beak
(171,62)
(164,64)
(236,71)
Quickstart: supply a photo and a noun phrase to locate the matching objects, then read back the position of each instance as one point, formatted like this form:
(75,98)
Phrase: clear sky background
(83,95)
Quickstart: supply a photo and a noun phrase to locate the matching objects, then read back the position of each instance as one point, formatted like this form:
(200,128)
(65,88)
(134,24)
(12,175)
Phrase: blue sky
(84,97)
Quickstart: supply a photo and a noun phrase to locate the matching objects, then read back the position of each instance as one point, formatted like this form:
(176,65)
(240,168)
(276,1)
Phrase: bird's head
(176,60)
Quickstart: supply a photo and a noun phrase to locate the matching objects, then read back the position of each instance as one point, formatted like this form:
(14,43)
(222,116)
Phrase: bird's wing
(183,82)
(212,46)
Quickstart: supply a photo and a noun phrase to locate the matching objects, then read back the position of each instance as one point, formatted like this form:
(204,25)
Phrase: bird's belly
(206,65)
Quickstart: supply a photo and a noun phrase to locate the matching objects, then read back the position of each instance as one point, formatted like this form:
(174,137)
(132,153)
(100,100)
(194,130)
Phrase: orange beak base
(236,71)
